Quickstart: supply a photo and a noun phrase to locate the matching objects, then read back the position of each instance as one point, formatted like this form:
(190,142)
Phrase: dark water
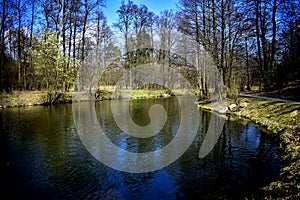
(42,157)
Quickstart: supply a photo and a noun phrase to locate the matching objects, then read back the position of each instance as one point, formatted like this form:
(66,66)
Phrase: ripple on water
(42,157)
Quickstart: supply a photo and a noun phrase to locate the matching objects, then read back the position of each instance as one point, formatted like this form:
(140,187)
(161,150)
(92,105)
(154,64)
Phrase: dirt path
(268,98)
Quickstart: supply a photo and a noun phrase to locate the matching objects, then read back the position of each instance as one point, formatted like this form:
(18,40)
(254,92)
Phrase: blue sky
(155,6)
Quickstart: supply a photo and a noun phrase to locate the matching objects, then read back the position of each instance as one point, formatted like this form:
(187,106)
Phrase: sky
(155,6)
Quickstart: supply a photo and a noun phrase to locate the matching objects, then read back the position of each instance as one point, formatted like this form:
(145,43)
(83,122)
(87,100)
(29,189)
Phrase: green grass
(140,93)
(279,115)
(254,88)
(40,97)
(156,92)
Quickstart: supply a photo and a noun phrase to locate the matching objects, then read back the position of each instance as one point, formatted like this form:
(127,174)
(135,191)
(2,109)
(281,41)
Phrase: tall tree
(140,18)
(166,26)
(21,8)
(88,7)
(124,23)
(265,17)
(151,23)
(2,42)
(50,70)
(289,42)
(125,20)
(217,26)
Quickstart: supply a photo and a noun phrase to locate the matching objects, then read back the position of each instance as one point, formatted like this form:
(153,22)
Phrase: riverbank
(32,98)
(282,120)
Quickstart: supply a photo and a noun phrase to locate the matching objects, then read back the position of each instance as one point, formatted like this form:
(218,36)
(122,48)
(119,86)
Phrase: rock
(243,104)
(231,118)
(233,107)
(294,113)
(262,105)
(221,110)
(165,95)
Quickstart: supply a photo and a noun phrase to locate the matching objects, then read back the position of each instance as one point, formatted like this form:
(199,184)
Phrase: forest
(253,43)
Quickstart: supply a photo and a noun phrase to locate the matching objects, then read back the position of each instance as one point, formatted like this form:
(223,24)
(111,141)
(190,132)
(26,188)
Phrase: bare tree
(125,20)
(88,6)
(123,24)
(140,18)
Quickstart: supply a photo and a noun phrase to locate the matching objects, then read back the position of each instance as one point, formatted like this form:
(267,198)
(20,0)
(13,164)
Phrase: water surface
(42,157)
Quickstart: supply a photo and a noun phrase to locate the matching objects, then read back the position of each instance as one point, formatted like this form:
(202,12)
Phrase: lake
(43,155)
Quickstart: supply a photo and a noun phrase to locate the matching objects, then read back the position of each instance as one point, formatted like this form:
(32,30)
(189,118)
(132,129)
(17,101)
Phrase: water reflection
(213,133)
(42,157)
(96,141)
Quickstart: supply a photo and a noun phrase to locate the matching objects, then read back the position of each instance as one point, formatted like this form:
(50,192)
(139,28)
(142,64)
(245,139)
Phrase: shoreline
(281,120)
(38,98)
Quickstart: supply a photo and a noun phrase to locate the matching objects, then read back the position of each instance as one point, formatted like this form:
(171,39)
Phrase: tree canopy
(252,42)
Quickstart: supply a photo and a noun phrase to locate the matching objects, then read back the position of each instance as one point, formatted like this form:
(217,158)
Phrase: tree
(288,69)
(140,20)
(89,6)
(152,18)
(123,24)
(166,26)
(217,27)
(125,20)
(265,18)
(2,44)
(49,64)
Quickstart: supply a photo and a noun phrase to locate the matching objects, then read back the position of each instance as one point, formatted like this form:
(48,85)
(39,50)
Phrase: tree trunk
(274,31)
(2,47)
(83,34)
(257,13)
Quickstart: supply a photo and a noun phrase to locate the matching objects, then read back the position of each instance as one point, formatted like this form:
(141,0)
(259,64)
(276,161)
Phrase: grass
(271,113)
(17,99)
(148,93)
(27,98)
(156,93)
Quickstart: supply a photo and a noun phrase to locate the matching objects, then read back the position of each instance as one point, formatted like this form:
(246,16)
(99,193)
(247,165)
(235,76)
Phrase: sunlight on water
(42,157)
